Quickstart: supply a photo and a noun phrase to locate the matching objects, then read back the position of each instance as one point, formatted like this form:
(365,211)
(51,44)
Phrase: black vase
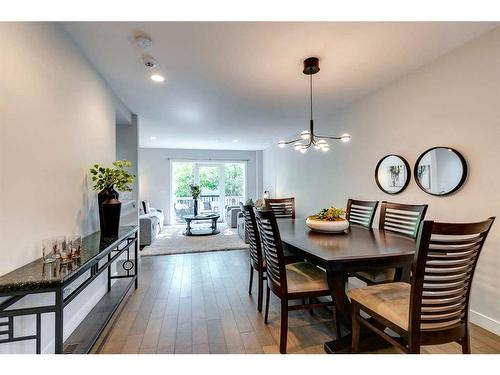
(196,207)
(109,212)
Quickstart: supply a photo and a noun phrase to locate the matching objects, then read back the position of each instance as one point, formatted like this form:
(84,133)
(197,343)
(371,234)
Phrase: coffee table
(201,231)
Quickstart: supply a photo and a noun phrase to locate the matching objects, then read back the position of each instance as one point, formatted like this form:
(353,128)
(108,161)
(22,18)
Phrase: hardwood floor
(199,303)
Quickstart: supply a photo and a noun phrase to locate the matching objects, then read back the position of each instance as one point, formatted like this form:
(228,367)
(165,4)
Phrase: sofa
(150,224)
(232,216)
(242,232)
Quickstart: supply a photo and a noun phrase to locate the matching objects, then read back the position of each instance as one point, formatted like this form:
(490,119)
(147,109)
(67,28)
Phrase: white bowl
(324,226)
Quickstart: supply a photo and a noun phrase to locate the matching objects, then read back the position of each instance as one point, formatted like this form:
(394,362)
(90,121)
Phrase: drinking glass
(75,246)
(48,253)
(64,250)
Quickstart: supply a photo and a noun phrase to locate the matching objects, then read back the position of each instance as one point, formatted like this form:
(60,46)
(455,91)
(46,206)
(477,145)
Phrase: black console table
(97,256)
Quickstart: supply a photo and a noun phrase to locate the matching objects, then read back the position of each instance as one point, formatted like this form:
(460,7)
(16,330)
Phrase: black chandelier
(308,138)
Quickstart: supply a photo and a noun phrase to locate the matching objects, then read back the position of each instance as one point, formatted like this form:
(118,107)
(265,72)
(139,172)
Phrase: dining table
(342,254)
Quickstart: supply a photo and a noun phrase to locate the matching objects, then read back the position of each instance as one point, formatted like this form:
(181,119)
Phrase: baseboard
(485,322)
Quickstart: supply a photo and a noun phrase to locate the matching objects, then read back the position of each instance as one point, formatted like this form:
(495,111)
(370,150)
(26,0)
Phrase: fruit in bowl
(328,220)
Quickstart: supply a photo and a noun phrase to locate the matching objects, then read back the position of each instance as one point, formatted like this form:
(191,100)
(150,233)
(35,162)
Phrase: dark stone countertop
(37,275)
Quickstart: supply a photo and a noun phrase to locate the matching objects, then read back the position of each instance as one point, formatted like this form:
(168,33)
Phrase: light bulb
(325,149)
(305,134)
(157,78)
(345,138)
(298,146)
(303,150)
(281,144)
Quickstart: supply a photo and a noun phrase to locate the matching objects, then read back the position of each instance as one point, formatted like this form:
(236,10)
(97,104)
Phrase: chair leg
(251,280)
(465,342)
(268,292)
(261,290)
(284,325)
(413,346)
(356,325)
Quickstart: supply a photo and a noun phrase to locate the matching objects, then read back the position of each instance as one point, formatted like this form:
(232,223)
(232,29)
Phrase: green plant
(195,191)
(116,176)
(249,202)
(329,214)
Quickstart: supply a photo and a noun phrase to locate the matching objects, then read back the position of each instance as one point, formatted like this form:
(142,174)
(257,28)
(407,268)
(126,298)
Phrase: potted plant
(328,220)
(106,180)
(195,193)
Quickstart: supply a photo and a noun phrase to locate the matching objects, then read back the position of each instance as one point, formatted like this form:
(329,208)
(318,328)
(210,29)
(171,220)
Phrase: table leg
(59,322)
(188,227)
(214,225)
(337,281)
(403,273)
(136,260)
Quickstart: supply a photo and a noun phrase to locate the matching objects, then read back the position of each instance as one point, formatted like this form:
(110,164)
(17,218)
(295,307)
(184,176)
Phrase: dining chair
(434,308)
(296,281)
(283,208)
(257,261)
(399,218)
(361,212)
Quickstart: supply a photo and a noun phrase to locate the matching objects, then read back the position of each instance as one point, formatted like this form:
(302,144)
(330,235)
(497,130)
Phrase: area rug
(172,241)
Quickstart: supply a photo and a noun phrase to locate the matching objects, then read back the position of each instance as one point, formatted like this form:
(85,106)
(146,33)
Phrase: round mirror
(440,171)
(392,174)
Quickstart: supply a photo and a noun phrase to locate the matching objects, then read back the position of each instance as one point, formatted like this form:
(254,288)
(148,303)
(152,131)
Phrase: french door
(222,185)
(210,179)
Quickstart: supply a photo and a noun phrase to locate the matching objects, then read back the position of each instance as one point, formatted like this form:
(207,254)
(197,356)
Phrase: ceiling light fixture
(157,78)
(143,41)
(308,138)
(235,140)
(152,137)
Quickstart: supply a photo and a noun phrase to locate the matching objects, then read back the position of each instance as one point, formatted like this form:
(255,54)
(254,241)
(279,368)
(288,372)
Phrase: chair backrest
(361,212)
(282,207)
(256,256)
(401,218)
(443,269)
(273,251)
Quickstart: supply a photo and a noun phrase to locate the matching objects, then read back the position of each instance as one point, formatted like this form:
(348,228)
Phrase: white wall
(453,101)
(154,171)
(57,118)
(127,148)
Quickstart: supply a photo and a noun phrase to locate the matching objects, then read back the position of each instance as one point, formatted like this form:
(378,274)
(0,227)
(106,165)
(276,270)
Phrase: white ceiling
(244,81)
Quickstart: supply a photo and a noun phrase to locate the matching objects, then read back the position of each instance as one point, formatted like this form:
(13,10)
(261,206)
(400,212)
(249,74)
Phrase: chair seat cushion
(378,276)
(305,277)
(390,301)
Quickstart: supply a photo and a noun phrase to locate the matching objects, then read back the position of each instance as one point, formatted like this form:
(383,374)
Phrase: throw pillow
(146,207)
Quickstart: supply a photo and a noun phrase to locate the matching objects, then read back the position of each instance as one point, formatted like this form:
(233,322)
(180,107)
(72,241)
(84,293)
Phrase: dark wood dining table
(359,249)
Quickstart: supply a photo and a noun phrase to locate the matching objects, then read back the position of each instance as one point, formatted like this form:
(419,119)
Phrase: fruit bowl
(327,226)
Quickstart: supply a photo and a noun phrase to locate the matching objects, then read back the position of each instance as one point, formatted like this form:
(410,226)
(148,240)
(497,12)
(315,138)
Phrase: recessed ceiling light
(157,78)
(235,140)
(152,138)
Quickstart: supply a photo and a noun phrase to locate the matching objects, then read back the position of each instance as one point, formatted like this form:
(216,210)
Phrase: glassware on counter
(75,246)
(49,247)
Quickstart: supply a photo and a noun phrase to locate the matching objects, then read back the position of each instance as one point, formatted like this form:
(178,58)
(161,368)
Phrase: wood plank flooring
(199,303)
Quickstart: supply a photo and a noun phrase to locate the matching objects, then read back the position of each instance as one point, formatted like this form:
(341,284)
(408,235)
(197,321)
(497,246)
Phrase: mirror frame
(408,174)
(465,171)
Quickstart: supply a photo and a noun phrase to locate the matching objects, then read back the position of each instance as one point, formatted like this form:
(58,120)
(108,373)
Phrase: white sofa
(150,225)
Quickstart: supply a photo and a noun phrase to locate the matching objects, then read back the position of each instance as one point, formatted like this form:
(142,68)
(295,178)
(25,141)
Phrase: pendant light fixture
(309,138)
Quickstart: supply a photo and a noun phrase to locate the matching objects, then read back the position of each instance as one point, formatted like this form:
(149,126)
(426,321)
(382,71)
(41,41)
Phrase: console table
(97,256)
